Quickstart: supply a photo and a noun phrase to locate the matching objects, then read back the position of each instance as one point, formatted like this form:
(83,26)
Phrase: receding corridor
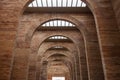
(59,40)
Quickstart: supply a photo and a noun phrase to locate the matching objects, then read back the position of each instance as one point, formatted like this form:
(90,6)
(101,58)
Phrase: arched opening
(59,27)
(57,23)
(99,37)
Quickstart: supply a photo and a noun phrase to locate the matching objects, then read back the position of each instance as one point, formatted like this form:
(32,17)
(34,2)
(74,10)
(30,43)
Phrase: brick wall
(116,7)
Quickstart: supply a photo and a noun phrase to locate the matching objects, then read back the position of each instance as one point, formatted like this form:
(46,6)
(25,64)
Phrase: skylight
(58,37)
(58,23)
(58,47)
(57,3)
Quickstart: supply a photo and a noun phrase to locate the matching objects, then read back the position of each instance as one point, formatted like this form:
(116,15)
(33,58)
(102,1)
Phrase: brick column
(20,64)
(95,68)
(7,39)
(32,72)
(94,60)
(8,25)
(43,75)
(109,39)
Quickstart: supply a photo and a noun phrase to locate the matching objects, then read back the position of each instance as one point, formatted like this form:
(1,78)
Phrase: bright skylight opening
(58,47)
(58,23)
(57,3)
(58,37)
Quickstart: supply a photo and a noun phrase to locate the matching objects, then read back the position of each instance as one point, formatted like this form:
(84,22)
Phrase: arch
(59,34)
(68,58)
(78,24)
(68,54)
(47,36)
(53,52)
(95,10)
(48,48)
(70,65)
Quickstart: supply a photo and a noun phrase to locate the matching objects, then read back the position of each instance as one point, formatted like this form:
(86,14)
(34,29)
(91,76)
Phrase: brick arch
(54,52)
(70,66)
(89,3)
(62,64)
(71,60)
(39,55)
(27,36)
(41,40)
(51,55)
(67,60)
(46,36)
(79,24)
(101,19)
(62,61)
(66,57)
(25,4)
(54,45)
(50,46)
(101,22)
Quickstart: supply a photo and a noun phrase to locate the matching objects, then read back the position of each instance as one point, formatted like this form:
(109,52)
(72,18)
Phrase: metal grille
(57,3)
(58,23)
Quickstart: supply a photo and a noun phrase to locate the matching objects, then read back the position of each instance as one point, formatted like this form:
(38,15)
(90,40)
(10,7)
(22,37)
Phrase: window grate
(57,3)
(58,23)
